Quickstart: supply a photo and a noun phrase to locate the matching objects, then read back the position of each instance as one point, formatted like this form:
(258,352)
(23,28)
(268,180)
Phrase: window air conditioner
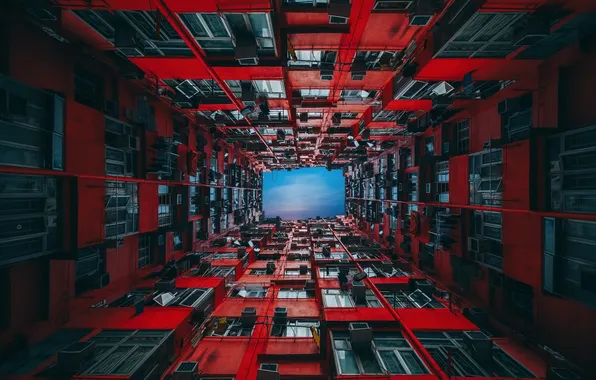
(165,285)
(268,371)
(270,267)
(186,371)
(361,335)
(358,292)
(246,51)
(303,269)
(477,316)
(72,358)
(479,346)
(248,317)
(358,69)
(280,316)
(421,12)
(339,11)
(326,71)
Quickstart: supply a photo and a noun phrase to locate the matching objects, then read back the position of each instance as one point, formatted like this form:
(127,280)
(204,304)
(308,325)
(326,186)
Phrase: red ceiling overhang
(483,69)
(387,31)
(191,68)
(176,6)
(409,105)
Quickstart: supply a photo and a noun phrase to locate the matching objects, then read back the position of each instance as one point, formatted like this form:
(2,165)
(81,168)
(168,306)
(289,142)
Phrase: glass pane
(191,20)
(216,44)
(392,364)
(369,362)
(347,363)
(413,362)
(237,23)
(215,24)
(258,22)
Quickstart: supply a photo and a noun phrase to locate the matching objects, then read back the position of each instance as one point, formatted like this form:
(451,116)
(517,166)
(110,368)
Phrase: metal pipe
(200,55)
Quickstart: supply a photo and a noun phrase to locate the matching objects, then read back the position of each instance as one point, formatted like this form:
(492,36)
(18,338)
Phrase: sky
(303,193)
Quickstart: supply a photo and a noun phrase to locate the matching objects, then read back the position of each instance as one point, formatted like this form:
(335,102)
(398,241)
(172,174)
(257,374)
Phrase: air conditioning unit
(442,101)
(165,285)
(309,285)
(339,11)
(361,335)
(326,73)
(326,251)
(204,267)
(241,252)
(73,357)
(421,12)
(387,265)
(358,292)
(280,316)
(248,318)
(304,117)
(535,28)
(268,371)
(479,346)
(303,269)
(186,371)
(270,267)
(358,69)
(424,286)
(246,50)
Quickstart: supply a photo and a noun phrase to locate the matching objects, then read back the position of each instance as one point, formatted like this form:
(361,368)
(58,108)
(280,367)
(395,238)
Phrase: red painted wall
(91,212)
(459,180)
(516,175)
(148,203)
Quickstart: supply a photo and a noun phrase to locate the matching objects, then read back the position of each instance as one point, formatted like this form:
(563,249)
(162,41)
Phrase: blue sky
(303,193)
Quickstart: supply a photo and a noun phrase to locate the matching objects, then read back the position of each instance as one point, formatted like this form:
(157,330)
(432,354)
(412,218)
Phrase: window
(486,183)
(314,93)
(158,36)
(358,95)
(165,209)
(429,146)
(312,58)
(334,256)
(121,209)
(442,181)
(569,263)
(195,200)
(333,272)
(484,35)
(294,328)
(89,89)
(572,171)
(390,353)
(177,241)
(342,298)
(271,88)
(377,60)
(462,136)
(258,271)
(485,245)
(249,292)
(441,345)
(124,352)
(144,250)
(296,272)
(229,327)
(411,299)
(35,120)
(292,293)
(219,35)
(31,217)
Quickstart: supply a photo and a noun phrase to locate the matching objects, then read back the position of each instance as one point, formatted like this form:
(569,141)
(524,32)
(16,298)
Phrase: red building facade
(133,140)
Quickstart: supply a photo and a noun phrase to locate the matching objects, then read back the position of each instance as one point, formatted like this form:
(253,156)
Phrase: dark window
(429,145)
(122,209)
(144,250)
(89,89)
(462,136)
(178,241)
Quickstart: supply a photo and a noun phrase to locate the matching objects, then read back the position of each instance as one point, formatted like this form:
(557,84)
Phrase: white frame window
(294,328)
(376,361)
(290,293)
(215,33)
